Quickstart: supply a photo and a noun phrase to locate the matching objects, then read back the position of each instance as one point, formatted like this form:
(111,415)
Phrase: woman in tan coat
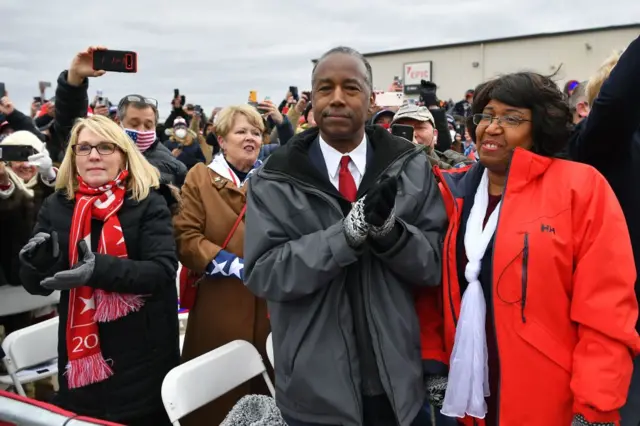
(212,213)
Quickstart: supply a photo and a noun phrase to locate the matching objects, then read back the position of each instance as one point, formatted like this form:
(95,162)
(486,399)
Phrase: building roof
(503,39)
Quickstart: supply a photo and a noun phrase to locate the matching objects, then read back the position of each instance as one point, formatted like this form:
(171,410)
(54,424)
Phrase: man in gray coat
(343,225)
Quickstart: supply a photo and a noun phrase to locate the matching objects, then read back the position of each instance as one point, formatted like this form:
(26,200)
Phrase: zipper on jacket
(445,249)
(493,311)
(525,269)
(346,346)
(390,397)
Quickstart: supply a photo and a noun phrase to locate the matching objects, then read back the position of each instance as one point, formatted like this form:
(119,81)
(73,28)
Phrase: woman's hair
(596,81)
(227,116)
(142,175)
(551,118)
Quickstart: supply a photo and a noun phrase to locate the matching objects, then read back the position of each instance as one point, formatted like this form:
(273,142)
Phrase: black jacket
(72,103)
(144,344)
(609,139)
(18,215)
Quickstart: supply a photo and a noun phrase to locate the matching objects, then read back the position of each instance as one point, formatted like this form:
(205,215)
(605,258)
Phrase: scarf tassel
(87,370)
(111,306)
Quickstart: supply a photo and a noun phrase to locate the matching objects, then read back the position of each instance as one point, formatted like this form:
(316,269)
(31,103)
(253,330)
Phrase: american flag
(142,139)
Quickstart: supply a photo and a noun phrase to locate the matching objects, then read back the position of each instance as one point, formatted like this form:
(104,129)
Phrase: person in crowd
(334,221)
(105,240)
(300,116)
(425,134)
(609,140)
(578,102)
(569,87)
(383,118)
(278,129)
(177,111)
(429,98)
(137,114)
(463,108)
(184,143)
(17,120)
(23,187)
(210,235)
(528,344)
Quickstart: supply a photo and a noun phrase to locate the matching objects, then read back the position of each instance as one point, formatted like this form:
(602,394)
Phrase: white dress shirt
(357,165)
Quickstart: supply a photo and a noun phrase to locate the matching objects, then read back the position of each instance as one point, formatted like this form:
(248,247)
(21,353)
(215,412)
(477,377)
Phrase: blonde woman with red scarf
(105,239)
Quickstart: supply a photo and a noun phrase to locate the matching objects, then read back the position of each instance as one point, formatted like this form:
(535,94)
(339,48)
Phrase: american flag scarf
(88,306)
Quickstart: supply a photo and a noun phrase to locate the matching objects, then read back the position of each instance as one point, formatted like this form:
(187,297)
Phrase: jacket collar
(294,159)
(525,167)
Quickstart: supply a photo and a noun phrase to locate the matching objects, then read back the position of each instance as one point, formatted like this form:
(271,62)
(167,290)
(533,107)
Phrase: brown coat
(224,309)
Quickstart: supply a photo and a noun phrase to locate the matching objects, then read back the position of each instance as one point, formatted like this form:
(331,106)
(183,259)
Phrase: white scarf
(221,167)
(468,383)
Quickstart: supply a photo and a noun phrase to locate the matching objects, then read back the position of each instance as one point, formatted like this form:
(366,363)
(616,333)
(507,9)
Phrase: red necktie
(346,183)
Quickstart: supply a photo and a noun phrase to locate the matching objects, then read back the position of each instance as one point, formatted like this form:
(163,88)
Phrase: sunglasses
(140,99)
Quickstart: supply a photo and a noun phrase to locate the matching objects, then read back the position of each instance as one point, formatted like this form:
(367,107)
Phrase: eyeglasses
(507,121)
(140,99)
(103,148)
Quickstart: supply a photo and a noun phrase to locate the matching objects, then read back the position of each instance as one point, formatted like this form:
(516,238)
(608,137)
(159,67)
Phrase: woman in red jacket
(537,312)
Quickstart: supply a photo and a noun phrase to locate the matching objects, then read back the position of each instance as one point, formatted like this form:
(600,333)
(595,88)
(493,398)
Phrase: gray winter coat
(297,258)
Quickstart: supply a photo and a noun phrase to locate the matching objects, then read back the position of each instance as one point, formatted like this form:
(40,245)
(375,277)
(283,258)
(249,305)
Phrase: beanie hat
(254,410)
(179,122)
(24,138)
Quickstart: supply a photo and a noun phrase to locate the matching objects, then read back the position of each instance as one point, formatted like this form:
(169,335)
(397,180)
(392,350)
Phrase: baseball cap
(413,112)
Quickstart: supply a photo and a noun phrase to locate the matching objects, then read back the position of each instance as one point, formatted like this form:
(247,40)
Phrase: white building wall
(454,73)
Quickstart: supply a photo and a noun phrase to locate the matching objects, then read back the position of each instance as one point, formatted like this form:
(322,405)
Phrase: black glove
(436,388)
(379,206)
(41,252)
(579,420)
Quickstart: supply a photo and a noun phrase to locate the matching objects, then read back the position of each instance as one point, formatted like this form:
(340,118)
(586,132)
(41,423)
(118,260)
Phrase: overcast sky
(216,51)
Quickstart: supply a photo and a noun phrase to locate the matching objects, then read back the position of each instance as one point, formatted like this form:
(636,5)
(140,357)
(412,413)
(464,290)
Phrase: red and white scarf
(88,306)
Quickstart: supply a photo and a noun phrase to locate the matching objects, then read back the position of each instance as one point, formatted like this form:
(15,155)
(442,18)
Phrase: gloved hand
(379,207)
(436,388)
(355,226)
(226,264)
(41,252)
(78,275)
(579,420)
(44,164)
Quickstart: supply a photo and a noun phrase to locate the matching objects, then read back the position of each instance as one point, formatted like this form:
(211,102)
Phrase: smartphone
(3,92)
(198,109)
(115,61)
(403,131)
(16,152)
(253,96)
(102,101)
(37,99)
(294,93)
(176,93)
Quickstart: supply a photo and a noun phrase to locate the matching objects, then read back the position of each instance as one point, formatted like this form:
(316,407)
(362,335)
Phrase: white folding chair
(269,349)
(205,378)
(15,300)
(31,354)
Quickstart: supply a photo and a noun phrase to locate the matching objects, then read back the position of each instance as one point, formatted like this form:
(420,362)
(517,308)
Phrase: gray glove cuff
(387,226)
(355,227)
(436,388)
(579,420)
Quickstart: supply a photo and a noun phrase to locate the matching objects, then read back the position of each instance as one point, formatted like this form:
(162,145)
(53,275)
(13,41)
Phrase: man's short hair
(138,102)
(578,95)
(351,52)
